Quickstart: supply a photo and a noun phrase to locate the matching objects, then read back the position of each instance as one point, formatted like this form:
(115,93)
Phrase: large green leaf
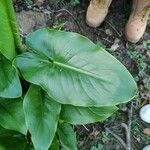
(9,36)
(10,86)
(41,115)
(67,136)
(85,115)
(73,70)
(12,115)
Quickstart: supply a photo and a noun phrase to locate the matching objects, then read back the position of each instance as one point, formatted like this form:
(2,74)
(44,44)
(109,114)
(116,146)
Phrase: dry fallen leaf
(115,45)
(39,2)
(146,131)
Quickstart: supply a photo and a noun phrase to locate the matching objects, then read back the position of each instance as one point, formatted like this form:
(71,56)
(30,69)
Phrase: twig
(128,128)
(117,137)
(85,128)
(128,145)
(67,11)
(105,39)
(130,114)
(119,34)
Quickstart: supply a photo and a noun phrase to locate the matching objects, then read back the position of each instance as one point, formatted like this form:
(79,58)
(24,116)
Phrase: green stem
(13,24)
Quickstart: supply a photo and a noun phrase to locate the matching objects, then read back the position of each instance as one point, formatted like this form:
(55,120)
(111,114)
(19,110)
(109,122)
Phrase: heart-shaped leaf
(67,136)
(10,39)
(12,115)
(73,70)
(41,114)
(85,115)
(10,86)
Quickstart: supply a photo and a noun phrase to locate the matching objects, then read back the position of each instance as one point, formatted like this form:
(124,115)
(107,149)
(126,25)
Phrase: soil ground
(70,16)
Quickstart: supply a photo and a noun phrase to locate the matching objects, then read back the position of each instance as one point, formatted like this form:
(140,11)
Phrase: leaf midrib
(81,71)
(50,60)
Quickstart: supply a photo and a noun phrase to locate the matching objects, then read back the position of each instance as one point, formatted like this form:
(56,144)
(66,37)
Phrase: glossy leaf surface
(41,115)
(73,70)
(85,115)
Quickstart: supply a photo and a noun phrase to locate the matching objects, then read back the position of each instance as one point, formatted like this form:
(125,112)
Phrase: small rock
(108,32)
(138,139)
(146,131)
(115,45)
(145,113)
(39,2)
(147,147)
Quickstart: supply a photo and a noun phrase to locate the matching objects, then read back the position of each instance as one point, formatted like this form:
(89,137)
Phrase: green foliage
(29,3)
(12,115)
(65,130)
(42,115)
(12,143)
(105,137)
(146,44)
(10,86)
(59,25)
(137,133)
(85,115)
(74,2)
(55,144)
(9,41)
(71,81)
(11,140)
(99,147)
(75,71)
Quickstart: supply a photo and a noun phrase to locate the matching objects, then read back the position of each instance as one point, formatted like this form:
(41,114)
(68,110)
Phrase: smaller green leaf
(55,144)
(85,115)
(10,86)
(41,115)
(29,147)
(67,136)
(12,115)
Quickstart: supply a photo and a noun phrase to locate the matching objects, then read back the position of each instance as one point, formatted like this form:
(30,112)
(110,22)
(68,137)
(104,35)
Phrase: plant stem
(14,25)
